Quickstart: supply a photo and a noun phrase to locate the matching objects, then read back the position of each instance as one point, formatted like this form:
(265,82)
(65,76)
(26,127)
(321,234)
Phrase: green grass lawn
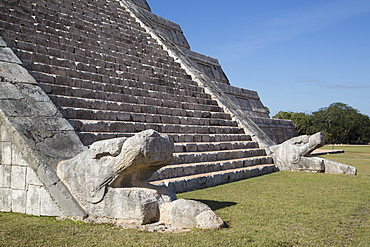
(279,209)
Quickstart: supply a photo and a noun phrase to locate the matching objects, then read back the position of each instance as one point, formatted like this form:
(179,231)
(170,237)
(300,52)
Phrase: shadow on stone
(215,205)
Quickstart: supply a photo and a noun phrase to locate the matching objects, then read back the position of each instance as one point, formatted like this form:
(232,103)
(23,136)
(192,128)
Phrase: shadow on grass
(214,205)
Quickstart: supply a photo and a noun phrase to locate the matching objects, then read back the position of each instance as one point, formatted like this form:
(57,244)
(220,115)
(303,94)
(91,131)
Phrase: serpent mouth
(315,141)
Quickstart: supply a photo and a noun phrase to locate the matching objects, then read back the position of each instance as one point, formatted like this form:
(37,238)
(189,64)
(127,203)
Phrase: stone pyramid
(75,72)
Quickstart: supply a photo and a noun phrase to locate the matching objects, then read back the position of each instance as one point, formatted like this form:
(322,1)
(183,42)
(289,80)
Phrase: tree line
(340,122)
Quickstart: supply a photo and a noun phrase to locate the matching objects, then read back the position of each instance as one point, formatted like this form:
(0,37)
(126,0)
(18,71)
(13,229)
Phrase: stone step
(89,114)
(81,125)
(94,104)
(180,137)
(108,90)
(119,43)
(213,146)
(208,156)
(181,170)
(126,98)
(90,137)
(113,72)
(102,97)
(112,49)
(205,180)
(112,77)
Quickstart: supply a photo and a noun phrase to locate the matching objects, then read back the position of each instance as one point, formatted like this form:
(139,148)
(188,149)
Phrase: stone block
(189,214)
(5,200)
(48,206)
(6,153)
(33,200)
(17,157)
(44,109)
(7,55)
(15,73)
(18,178)
(32,178)
(123,116)
(9,91)
(62,145)
(5,176)
(15,108)
(2,42)
(4,135)
(19,201)
(138,117)
(34,92)
(135,205)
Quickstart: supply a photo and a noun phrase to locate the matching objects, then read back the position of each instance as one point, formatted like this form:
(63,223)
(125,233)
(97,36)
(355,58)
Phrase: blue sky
(299,55)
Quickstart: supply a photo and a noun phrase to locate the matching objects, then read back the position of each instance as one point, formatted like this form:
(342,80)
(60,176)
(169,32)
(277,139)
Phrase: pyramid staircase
(210,148)
(206,139)
(110,78)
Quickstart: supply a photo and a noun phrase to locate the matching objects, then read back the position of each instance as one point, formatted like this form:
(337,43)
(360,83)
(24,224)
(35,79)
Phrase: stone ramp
(110,78)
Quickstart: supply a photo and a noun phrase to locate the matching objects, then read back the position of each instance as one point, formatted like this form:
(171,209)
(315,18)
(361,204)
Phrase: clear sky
(299,55)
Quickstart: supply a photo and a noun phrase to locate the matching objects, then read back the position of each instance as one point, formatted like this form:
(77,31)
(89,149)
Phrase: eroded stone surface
(15,73)
(110,178)
(189,214)
(294,155)
(118,163)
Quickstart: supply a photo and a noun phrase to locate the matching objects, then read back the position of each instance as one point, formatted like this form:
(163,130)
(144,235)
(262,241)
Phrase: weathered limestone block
(6,153)
(117,163)
(189,214)
(18,181)
(338,168)
(110,179)
(5,176)
(39,202)
(129,205)
(5,200)
(2,42)
(21,189)
(7,55)
(47,204)
(294,155)
(32,177)
(15,73)
(19,201)
(33,200)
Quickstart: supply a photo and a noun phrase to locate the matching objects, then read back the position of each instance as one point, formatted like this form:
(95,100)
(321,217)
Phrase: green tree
(301,121)
(267,110)
(283,115)
(340,122)
(304,123)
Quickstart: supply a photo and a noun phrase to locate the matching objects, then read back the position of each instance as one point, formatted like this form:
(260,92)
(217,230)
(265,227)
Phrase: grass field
(279,209)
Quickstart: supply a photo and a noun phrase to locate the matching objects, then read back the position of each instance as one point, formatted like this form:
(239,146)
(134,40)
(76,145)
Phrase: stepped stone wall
(34,137)
(95,55)
(247,100)
(21,190)
(80,45)
(75,72)
(172,31)
(142,4)
(277,129)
